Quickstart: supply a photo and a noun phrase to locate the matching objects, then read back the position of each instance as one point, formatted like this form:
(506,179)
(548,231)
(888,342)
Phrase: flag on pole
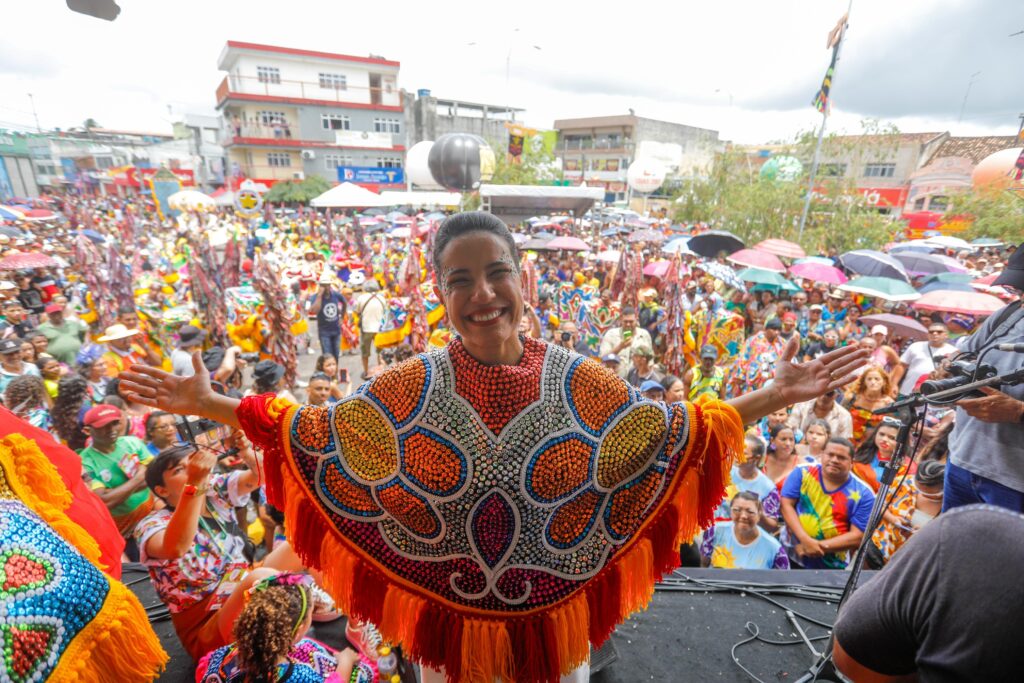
(835,37)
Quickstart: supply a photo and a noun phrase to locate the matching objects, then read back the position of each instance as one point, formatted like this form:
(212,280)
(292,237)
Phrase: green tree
(534,167)
(90,123)
(994,212)
(297,191)
(733,196)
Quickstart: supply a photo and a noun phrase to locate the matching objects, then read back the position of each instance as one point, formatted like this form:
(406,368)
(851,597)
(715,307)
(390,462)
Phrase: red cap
(54,308)
(101,415)
(789,317)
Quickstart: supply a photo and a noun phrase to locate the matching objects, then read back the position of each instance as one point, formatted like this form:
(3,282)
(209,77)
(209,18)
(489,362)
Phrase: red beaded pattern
(500,392)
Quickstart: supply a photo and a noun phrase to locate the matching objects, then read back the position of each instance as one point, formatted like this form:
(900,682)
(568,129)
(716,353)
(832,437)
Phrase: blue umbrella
(987,242)
(677,245)
(545,235)
(93,235)
(723,273)
(959,278)
(435,216)
(823,260)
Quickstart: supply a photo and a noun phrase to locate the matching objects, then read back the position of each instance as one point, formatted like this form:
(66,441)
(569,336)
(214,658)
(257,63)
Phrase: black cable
(755,635)
(764,596)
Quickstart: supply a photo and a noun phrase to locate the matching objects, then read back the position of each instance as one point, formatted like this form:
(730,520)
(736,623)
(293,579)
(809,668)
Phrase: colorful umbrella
(714,242)
(646,236)
(988,279)
(760,276)
(519,238)
(970,303)
(905,247)
(874,263)
(751,258)
(40,215)
(27,261)
(882,287)
(657,268)
(822,260)
(568,244)
(535,244)
(900,325)
(782,248)
(921,264)
(818,272)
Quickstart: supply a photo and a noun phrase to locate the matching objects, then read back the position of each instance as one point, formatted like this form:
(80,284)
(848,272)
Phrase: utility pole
(32,100)
(967,93)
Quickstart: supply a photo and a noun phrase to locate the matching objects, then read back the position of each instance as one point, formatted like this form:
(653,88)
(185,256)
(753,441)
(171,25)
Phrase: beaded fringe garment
(61,618)
(494,520)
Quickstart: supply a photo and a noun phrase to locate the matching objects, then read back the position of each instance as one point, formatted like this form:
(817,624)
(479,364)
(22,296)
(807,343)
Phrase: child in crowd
(271,644)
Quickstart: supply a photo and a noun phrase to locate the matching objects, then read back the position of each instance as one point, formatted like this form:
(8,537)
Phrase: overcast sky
(747,68)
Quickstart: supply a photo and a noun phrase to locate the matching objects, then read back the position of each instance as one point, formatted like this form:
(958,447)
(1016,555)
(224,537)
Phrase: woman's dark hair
(775,431)
(167,459)
(43,360)
(747,495)
(25,392)
(114,400)
(72,391)
(931,473)
(817,422)
(867,450)
(151,422)
(323,359)
(266,628)
(465,223)
(113,384)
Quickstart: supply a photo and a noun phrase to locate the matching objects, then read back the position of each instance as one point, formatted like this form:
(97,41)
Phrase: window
(268,74)
(389,162)
(938,203)
(333,81)
(335,122)
(279,159)
(880,170)
(386,126)
(104,162)
(332,161)
(269,118)
(833,170)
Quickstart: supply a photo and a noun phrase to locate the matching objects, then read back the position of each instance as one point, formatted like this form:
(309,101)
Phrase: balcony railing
(308,90)
(287,130)
(586,144)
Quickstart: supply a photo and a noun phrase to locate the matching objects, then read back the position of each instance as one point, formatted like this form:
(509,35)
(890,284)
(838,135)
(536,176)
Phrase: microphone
(1011,348)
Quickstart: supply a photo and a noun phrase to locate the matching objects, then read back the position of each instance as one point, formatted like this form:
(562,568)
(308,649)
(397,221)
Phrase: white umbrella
(949,242)
(349,196)
(191,199)
(609,256)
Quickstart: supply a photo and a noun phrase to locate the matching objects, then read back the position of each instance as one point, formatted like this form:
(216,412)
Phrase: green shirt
(104,470)
(65,340)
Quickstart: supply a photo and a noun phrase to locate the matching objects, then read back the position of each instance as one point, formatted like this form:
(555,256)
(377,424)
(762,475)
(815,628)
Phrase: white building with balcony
(287,113)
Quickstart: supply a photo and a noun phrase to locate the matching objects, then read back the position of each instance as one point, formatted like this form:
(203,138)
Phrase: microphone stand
(909,412)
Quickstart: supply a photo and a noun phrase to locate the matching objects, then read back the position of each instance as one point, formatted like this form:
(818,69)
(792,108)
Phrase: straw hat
(115,332)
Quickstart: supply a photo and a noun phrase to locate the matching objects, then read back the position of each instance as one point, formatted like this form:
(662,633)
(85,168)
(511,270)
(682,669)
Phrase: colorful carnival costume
(63,619)
(494,520)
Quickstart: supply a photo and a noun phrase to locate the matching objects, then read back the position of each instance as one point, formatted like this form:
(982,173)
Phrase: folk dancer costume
(61,617)
(494,520)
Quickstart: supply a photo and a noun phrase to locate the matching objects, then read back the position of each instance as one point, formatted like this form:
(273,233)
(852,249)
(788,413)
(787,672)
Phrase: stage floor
(685,635)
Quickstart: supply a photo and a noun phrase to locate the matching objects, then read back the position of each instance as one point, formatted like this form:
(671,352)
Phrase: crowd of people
(240,597)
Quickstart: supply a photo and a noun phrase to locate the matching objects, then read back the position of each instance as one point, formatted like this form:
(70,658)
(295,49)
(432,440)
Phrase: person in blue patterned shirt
(741,543)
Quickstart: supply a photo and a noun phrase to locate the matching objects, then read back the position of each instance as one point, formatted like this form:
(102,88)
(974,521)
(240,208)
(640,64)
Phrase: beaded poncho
(61,618)
(494,520)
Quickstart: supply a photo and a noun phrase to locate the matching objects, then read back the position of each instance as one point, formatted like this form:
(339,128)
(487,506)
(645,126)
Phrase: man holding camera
(628,335)
(986,448)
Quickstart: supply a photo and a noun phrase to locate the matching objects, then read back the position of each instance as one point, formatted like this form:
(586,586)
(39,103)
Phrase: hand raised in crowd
(994,407)
(158,389)
(200,464)
(798,382)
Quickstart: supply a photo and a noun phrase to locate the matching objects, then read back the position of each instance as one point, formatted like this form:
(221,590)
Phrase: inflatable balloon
(461,161)
(418,168)
(994,170)
(783,168)
(645,175)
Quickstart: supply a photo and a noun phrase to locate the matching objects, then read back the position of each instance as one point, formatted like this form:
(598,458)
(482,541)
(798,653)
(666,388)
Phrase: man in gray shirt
(986,447)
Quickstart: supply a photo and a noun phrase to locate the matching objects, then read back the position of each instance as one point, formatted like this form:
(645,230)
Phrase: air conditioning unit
(298,175)
(308,154)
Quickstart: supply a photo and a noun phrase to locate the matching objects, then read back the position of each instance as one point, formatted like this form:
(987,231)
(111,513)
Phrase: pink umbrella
(970,303)
(752,258)
(657,268)
(987,280)
(781,248)
(568,244)
(818,272)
